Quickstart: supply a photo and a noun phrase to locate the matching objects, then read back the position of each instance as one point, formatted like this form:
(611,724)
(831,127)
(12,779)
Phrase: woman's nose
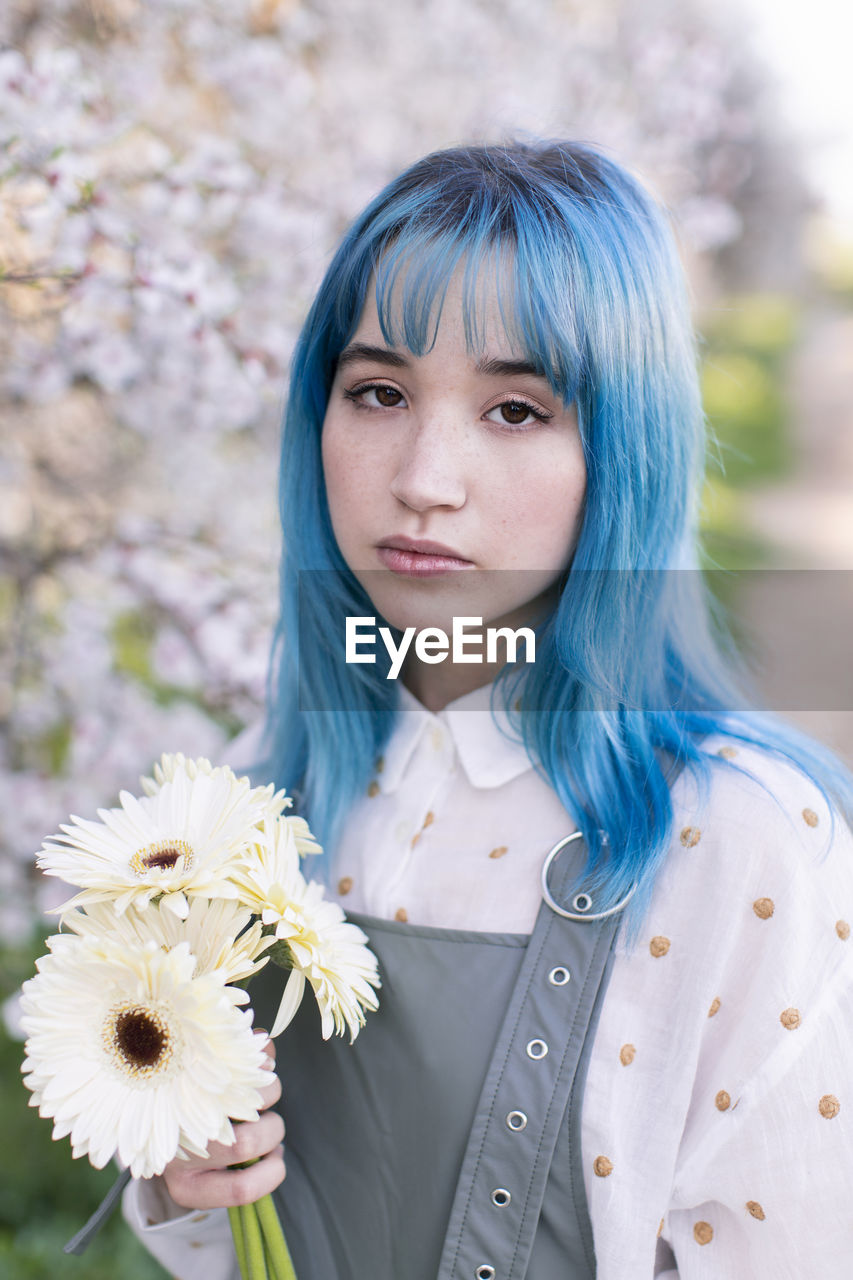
(430,468)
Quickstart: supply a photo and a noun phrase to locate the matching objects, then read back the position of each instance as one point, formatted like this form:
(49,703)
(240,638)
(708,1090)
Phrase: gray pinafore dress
(444,1144)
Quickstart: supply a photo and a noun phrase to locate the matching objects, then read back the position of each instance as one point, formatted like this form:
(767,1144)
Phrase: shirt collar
(488,757)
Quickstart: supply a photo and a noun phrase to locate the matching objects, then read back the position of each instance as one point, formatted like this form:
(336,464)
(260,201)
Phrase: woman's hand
(196,1183)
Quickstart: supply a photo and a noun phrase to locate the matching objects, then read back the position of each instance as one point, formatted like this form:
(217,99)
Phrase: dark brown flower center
(139,1040)
(164,855)
(162,858)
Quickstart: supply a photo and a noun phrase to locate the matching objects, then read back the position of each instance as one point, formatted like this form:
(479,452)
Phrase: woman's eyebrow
(497,367)
(365,351)
(508,368)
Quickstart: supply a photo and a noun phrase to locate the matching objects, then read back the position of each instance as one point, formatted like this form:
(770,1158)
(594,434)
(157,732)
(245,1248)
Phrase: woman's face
(455,480)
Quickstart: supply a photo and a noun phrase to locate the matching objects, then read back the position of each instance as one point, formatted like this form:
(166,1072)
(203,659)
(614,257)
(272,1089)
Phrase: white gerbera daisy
(165,768)
(325,949)
(133,1055)
(263,876)
(215,930)
(301,832)
(176,842)
(333,955)
(272,802)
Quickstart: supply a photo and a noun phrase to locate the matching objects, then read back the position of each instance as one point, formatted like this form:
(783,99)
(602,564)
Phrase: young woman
(610,905)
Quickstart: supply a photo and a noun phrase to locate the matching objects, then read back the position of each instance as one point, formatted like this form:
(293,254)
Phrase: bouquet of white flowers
(139,1042)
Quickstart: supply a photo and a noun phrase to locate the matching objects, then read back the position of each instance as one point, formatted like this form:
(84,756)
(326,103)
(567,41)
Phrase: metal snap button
(516,1120)
(559,976)
(581,902)
(500,1196)
(536,1049)
(485,1272)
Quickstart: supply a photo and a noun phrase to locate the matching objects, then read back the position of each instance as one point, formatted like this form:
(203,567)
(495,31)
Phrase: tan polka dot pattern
(602,1167)
(499,852)
(790,1019)
(728,753)
(415,838)
(810,817)
(753,1207)
(429,819)
(690,836)
(829,1106)
(723,1100)
(659,945)
(763,908)
(344,884)
(715,1006)
(703,1232)
(627,1054)
(373,788)
(380,763)
(401,914)
(842,928)
(660,1228)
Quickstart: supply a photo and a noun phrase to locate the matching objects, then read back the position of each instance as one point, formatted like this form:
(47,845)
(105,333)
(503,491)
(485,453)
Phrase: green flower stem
(255,1253)
(239,1242)
(278,1255)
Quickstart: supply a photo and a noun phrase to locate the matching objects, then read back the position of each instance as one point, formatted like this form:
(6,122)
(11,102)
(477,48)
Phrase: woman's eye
(376,396)
(515,413)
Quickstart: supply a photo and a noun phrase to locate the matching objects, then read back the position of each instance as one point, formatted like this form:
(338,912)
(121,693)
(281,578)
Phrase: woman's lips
(407,559)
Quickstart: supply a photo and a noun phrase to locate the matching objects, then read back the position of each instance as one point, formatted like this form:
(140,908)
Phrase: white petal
(177,904)
(291,998)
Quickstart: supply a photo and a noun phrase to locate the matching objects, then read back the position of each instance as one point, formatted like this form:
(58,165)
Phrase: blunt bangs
(580,255)
(414,272)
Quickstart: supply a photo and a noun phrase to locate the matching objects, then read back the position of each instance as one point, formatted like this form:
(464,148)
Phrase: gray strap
(537,1067)
(84,1237)
(522,1107)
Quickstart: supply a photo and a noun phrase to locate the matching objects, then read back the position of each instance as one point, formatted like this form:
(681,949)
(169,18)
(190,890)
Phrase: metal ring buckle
(555,906)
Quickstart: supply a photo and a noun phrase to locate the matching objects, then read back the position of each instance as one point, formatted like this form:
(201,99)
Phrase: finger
(270,1093)
(252,1139)
(222,1188)
(269,1047)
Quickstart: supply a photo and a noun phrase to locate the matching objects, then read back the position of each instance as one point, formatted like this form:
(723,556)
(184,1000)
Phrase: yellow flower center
(138,1040)
(164,855)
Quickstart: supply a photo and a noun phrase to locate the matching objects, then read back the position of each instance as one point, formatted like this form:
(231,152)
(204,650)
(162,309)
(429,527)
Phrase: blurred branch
(36,276)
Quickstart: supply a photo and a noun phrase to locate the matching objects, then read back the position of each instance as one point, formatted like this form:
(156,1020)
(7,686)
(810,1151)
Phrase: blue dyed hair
(630,670)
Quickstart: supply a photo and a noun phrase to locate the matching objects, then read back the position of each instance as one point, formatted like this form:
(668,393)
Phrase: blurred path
(809,519)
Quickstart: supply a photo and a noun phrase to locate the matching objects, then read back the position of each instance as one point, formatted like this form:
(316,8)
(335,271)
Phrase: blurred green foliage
(45,1195)
(830,249)
(133,637)
(53,746)
(746,346)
